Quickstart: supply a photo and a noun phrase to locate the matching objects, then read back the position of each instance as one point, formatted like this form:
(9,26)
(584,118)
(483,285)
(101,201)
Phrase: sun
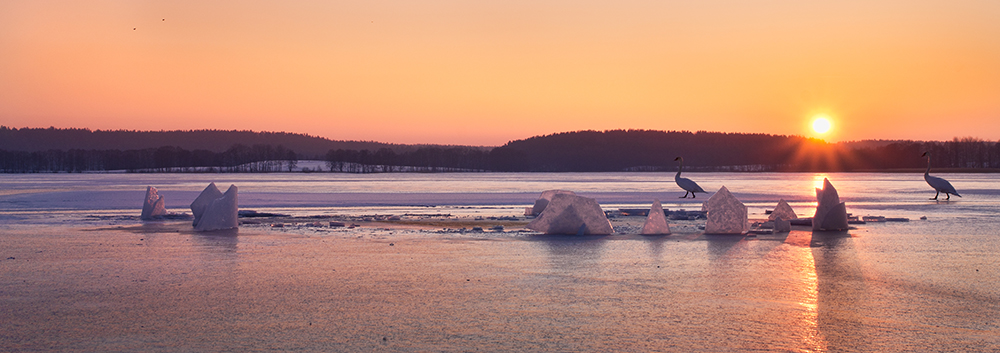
(821,124)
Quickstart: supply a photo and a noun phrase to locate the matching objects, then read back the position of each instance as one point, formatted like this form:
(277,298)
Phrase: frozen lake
(78,271)
(24,196)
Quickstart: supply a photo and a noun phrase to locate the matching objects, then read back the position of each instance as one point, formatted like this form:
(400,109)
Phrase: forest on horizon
(32,150)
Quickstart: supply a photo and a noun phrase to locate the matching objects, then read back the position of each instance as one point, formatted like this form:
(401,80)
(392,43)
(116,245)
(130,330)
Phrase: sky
(488,72)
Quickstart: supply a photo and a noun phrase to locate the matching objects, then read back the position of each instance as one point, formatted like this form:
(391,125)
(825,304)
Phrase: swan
(940,185)
(688,185)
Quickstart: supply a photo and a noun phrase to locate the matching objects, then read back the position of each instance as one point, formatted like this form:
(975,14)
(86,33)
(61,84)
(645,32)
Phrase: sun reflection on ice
(808,292)
(818,180)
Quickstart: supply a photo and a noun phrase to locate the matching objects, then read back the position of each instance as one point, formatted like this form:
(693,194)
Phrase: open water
(76,275)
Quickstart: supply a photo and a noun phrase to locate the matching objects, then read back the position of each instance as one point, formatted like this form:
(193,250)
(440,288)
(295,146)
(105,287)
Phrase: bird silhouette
(940,185)
(689,186)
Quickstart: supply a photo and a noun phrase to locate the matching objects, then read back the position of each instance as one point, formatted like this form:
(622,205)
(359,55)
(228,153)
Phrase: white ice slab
(199,204)
(782,225)
(726,214)
(221,213)
(544,200)
(571,214)
(831,214)
(783,211)
(153,205)
(656,221)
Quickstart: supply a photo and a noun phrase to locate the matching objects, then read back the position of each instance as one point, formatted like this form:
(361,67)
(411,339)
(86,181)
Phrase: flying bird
(688,185)
(940,185)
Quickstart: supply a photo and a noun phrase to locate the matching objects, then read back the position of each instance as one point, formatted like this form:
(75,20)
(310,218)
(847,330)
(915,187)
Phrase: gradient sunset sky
(486,72)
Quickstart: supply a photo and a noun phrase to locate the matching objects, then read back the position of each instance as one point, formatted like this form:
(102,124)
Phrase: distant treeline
(581,151)
(243,159)
(426,159)
(238,158)
(310,147)
(959,153)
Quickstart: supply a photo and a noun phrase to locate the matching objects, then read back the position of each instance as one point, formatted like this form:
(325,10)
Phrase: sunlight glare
(821,124)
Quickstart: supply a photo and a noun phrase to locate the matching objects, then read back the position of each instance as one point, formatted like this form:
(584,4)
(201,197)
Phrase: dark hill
(637,150)
(618,150)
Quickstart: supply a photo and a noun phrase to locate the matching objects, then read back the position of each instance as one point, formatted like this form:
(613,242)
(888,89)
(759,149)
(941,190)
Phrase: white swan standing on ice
(688,185)
(940,185)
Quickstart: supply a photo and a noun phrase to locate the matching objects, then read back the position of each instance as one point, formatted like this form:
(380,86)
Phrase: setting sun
(821,124)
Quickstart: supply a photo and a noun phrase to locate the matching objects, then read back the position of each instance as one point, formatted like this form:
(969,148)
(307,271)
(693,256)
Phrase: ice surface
(544,200)
(726,214)
(199,204)
(656,221)
(194,291)
(783,211)
(831,214)
(221,213)
(152,206)
(571,214)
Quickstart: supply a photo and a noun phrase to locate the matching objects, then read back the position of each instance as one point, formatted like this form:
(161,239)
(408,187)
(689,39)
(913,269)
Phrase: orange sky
(486,72)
